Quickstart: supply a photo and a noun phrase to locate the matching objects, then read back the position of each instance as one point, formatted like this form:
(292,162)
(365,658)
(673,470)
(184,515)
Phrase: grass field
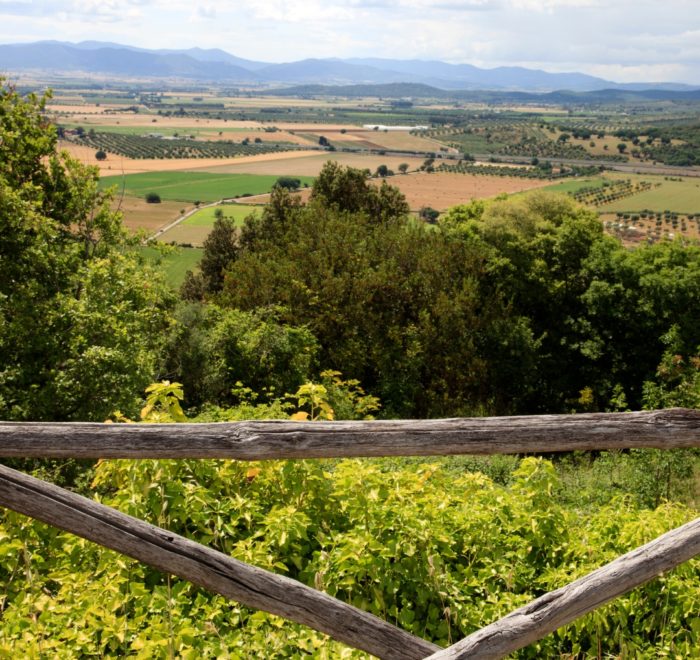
(576,185)
(196,228)
(401,140)
(194,186)
(175,264)
(206,217)
(676,194)
(680,195)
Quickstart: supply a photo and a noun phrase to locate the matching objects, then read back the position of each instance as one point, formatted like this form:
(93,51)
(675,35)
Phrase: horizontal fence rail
(250,441)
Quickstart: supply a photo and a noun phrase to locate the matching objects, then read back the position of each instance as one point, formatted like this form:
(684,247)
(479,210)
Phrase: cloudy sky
(621,40)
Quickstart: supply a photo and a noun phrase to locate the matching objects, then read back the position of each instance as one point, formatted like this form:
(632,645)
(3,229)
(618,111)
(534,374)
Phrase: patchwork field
(400,140)
(675,194)
(574,185)
(194,186)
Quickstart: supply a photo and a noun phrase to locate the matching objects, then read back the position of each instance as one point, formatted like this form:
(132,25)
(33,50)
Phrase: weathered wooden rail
(254,441)
(262,589)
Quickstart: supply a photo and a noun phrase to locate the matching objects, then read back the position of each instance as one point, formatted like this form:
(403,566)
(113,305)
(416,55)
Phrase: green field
(175,264)
(196,228)
(576,185)
(195,186)
(155,128)
(206,217)
(679,196)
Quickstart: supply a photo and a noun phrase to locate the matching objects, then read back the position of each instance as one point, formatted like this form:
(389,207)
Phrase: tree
(288,182)
(429,214)
(211,349)
(348,189)
(220,249)
(100,155)
(403,168)
(323,141)
(622,147)
(382,171)
(152,198)
(82,318)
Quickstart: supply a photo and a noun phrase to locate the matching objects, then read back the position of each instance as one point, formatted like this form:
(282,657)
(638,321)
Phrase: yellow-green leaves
(163,403)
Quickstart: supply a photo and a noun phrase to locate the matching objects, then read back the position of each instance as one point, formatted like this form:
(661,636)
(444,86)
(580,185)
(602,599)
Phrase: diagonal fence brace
(213,570)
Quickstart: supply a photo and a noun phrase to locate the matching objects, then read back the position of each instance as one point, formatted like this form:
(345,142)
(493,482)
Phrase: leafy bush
(435,552)
(152,198)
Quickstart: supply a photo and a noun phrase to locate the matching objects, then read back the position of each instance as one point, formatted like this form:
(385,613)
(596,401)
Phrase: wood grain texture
(557,608)
(207,568)
(672,428)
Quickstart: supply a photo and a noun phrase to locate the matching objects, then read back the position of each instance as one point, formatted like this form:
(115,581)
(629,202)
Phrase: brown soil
(151,217)
(441,190)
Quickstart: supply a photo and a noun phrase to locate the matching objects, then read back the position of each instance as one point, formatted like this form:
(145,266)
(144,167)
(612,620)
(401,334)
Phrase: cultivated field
(308,163)
(149,217)
(677,194)
(443,190)
(194,186)
(121,164)
(400,140)
(175,263)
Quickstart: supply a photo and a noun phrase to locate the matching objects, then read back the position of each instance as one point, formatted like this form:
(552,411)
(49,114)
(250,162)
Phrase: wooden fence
(264,590)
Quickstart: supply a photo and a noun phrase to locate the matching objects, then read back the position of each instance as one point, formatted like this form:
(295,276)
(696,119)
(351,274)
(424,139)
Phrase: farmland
(184,146)
(195,229)
(635,193)
(194,186)
(310,164)
(681,195)
(443,190)
(136,146)
(639,207)
(138,214)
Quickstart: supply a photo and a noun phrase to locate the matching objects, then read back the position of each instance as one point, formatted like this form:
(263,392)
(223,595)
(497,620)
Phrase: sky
(619,40)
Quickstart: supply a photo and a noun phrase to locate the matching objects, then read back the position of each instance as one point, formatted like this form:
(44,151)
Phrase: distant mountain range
(418,90)
(211,65)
